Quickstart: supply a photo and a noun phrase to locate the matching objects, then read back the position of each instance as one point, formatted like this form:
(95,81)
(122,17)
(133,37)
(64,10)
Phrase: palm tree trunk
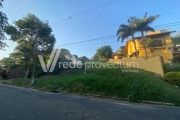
(135,45)
(145,52)
(144,45)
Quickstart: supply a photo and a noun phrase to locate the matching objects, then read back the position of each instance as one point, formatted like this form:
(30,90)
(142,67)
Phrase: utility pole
(34,57)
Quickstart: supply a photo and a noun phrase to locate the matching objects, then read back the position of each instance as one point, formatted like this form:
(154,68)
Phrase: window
(158,43)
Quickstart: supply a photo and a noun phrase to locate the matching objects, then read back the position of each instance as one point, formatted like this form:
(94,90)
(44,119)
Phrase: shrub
(173,78)
(4,74)
(14,72)
(175,67)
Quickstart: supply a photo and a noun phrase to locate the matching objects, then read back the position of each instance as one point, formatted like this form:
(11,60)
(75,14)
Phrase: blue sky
(98,23)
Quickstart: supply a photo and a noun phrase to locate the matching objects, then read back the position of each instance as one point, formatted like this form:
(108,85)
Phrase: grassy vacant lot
(109,82)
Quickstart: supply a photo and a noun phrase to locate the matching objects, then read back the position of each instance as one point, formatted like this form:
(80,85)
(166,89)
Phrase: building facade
(162,46)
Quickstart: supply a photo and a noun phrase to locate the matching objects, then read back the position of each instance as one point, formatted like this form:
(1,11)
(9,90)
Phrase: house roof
(176,52)
(118,54)
(154,34)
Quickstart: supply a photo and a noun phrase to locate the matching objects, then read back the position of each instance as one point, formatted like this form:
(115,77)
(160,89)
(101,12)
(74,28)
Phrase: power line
(114,25)
(85,11)
(105,37)
(94,43)
(176,24)
(107,3)
(99,42)
(167,24)
(106,25)
(169,7)
(110,36)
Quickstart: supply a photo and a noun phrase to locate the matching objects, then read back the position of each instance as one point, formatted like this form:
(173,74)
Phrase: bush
(175,67)
(14,72)
(173,78)
(4,74)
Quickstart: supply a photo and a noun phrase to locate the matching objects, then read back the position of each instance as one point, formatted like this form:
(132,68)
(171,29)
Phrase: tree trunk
(144,45)
(34,58)
(27,72)
(135,45)
(145,52)
(28,63)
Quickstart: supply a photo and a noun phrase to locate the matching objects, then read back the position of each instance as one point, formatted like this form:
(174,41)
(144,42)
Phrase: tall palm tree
(126,31)
(143,26)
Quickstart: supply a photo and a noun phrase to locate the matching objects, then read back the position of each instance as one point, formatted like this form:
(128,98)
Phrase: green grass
(109,82)
(1,78)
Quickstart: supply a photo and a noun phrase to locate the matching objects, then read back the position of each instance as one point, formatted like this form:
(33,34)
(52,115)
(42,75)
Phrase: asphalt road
(29,104)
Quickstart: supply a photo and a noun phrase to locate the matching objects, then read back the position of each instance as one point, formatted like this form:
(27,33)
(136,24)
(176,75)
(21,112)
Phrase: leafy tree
(3,24)
(7,61)
(83,59)
(149,44)
(122,49)
(143,26)
(33,37)
(95,57)
(128,30)
(12,68)
(176,40)
(1,3)
(64,57)
(75,56)
(135,25)
(104,53)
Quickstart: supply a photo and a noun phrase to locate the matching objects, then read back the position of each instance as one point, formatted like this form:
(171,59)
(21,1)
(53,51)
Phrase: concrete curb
(116,98)
(7,80)
(107,97)
(158,103)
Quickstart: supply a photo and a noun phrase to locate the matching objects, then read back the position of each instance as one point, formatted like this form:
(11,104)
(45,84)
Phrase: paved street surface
(28,104)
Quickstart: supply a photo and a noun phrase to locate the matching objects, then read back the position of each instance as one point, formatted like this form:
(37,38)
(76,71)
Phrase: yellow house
(163,46)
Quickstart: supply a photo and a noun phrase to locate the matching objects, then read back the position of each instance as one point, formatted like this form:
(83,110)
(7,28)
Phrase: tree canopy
(83,59)
(24,33)
(143,23)
(104,53)
(3,24)
(135,25)
(127,30)
(95,57)
(176,40)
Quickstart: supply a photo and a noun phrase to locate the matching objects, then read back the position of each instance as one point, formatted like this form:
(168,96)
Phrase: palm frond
(123,32)
(132,20)
(143,24)
(148,28)
(145,15)
(152,19)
